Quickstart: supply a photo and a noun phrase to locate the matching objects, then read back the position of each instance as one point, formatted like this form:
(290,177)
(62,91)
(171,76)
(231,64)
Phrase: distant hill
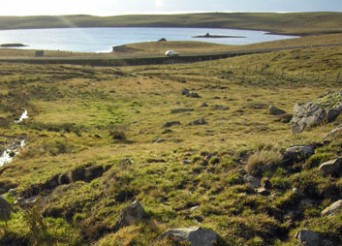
(289,23)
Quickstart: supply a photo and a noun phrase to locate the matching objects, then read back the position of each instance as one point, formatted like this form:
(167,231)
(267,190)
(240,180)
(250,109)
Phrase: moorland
(196,144)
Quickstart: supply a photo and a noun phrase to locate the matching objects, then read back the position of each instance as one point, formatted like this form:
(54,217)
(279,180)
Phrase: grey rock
(131,215)
(193,94)
(181,110)
(220,107)
(311,238)
(323,109)
(332,167)
(198,122)
(333,208)
(297,153)
(171,123)
(334,132)
(196,236)
(252,181)
(273,110)
(308,238)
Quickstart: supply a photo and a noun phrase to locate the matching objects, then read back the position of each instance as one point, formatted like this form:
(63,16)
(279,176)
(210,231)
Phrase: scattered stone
(131,215)
(297,153)
(284,118)
(334,132)
(252,181)
(198,122)
(158,140)
(220,107)
(323,109)
(262,191)
(185,92)
(333,208)
(273,110)
(181,110)
(332,167)
(203,105)
(171,123)
(257,105)
(188,93)
(196,236)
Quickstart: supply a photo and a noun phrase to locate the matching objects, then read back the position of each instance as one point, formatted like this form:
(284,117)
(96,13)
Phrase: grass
(288,23)
(81,116)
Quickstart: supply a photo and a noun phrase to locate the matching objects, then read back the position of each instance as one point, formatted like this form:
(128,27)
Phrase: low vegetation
(181,139)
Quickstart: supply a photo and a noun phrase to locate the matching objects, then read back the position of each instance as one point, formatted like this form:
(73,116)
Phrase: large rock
(131,215)
(332,167)
(308,238)
(311,238)
(323,109)
(297,153)
(196,236)
(333,208)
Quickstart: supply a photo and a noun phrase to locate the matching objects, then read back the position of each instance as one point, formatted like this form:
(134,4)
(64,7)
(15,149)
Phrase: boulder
(297,153)
(332,167)
(196,236)
(131,215)
(333,208)
(273,110)
(308,238)
(323,109)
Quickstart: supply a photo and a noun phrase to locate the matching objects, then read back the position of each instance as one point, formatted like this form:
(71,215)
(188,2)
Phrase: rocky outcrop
(332,167)
(323,109)
(333,208)
(196,236)
(333,133)
(131,215)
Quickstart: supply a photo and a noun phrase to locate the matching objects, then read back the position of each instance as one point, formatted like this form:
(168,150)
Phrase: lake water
(103,39)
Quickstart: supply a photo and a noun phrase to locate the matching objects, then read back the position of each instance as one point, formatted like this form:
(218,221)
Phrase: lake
(103,39)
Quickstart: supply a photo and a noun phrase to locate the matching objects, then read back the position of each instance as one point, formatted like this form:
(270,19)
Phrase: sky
(123,7)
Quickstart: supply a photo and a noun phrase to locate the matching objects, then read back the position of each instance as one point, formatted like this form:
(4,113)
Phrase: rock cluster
(323,109)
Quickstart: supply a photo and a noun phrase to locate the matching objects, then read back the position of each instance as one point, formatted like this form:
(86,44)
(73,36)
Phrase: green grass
(75,112)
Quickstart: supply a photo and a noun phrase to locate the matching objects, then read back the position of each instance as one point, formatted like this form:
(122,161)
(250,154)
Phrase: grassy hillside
(291,23)
(83,119)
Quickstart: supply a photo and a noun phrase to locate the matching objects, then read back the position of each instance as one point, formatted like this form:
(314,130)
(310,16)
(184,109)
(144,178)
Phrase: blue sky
(121,7)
